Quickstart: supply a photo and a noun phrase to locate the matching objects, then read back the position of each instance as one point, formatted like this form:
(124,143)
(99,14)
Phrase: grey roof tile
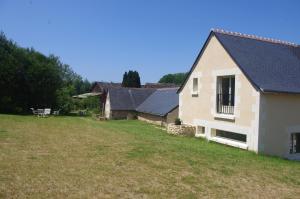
(270,66)
(161,102)
(128,98)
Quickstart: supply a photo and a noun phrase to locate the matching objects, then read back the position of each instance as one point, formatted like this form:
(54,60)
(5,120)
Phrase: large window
(225,94)
(295,143)
(232,136)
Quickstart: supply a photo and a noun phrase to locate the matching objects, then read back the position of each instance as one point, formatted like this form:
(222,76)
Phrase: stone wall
(153,119)
(159,120)
(117,115)
(181,129)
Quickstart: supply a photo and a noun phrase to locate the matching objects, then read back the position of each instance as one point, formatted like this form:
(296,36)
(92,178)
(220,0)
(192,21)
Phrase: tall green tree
(125,80)
(136,79)
(131,79)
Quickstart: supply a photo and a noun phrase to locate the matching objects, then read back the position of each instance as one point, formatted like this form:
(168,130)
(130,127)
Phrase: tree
(176,78)
(137,79)
(31,79)
(131,79)
(125,80)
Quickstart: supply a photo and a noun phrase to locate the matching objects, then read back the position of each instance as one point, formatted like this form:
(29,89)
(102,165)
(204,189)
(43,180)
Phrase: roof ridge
(171,88)
(266,39)
(131,98)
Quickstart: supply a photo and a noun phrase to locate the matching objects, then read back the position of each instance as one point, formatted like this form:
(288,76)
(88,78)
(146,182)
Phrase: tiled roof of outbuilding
(128,98)
(161,102)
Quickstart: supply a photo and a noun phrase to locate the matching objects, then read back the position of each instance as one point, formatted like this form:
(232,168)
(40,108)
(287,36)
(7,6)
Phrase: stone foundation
(181,130)
(153,119)
(121,115)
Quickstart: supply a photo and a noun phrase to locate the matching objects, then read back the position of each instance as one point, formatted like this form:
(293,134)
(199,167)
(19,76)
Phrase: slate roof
(99,87)
(270,65)
(161,102)
(159,85)
(128,98)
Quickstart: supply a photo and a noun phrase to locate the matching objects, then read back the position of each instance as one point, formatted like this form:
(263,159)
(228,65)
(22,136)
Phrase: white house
(244,91)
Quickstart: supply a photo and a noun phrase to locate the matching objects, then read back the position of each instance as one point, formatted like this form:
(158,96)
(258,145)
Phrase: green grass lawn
(74,157)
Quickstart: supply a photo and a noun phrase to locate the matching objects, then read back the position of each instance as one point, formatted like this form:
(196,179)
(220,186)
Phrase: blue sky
(101,40)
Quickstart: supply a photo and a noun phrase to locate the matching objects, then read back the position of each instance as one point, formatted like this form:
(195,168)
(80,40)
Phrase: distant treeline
(30,79)
(176,78)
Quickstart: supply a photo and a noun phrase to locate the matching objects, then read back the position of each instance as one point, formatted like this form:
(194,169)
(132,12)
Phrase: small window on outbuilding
(295,143)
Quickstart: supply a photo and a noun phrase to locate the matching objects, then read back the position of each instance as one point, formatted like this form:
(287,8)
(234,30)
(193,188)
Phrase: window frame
(200,131)
(220,98)
(195,87)
(294,146)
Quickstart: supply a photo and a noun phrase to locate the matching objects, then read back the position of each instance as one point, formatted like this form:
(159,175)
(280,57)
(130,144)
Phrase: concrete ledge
(229,142)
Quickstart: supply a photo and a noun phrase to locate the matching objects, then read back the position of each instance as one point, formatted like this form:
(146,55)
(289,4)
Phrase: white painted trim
(213,97)
(195,92)
(226,72)
(200,135)
(224,116)
(197,75)
(253,138)
(225,127)
(230,142)
(180,106)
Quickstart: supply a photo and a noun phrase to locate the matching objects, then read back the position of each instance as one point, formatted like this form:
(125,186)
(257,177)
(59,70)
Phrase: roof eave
(157,114)
(279,92)
(122,109)
(151,113)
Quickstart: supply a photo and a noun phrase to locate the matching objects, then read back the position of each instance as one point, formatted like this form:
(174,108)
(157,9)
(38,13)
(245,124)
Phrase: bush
(177,121)
(91,103)
(176,78)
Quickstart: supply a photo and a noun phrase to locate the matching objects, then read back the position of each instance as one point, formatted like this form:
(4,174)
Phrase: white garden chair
(56,112)
(40,112)
(44,112)
(47,111)
(34,112)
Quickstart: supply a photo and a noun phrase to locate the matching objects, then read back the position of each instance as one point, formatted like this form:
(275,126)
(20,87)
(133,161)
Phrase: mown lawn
(73,157)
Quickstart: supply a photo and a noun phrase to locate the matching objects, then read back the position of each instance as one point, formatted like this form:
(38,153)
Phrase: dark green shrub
(177,121)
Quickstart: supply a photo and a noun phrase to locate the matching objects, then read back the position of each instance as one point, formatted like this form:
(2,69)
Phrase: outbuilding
(158,106)
(121,103)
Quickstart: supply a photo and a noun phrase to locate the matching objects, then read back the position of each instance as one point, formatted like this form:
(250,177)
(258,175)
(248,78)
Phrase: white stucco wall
(279,117)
